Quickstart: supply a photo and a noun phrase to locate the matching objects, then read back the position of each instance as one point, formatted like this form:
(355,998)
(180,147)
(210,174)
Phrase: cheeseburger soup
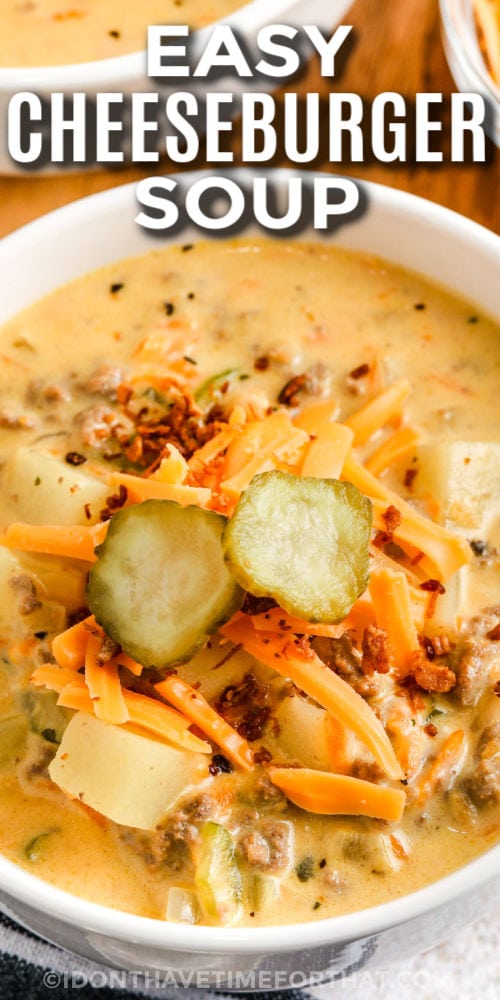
(250,603)
(54,32)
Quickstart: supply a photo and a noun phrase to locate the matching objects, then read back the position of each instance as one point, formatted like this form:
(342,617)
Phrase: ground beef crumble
(484,785)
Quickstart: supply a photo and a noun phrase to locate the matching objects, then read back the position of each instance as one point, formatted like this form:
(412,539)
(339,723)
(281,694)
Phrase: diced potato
(42,489)
(211,679)
(9,567)
(48,616)
(58,579)
(303,733)
(182,905)
(463,478)
(129,778)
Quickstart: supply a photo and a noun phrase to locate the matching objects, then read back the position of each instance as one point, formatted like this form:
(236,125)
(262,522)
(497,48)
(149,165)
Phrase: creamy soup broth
(51,33)
(263,312)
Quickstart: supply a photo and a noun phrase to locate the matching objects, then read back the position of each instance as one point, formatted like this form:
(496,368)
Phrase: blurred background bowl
(466,60)
(127,74)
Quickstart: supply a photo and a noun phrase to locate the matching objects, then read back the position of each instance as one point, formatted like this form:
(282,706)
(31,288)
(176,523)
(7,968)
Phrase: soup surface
(51,33)
(192,369)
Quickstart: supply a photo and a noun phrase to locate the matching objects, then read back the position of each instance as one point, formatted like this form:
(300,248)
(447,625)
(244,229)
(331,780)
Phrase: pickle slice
(217,876)
(160,586)
(302,541)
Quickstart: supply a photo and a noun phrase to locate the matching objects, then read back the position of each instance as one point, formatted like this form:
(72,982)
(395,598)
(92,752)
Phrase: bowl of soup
(87,49)
(249,571)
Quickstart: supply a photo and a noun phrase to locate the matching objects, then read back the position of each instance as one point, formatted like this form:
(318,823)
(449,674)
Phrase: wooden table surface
(397,48)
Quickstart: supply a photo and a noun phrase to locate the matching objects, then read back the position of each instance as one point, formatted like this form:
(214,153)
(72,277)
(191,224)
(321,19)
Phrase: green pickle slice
(302,541)
(160,586)
(217,876)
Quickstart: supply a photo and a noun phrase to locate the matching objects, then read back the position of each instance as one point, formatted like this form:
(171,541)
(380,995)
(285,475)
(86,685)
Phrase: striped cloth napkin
(467,967)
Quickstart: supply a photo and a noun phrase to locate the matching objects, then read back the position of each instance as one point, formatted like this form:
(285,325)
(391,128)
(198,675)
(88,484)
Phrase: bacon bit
(262,756)
(392,519)
(375,651)
(409,476)
(431,729)
(413,694)
(360,372)
(134,452)
(433,676)
(435,588)
(494,633)
(441,644)
(88,512)
(289,393)
(113,503)
(435,645)
(74,458)
(246,706)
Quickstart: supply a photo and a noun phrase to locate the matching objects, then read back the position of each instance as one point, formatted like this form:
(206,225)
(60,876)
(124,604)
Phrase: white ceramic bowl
(127,74)
(465,59)
(447,248)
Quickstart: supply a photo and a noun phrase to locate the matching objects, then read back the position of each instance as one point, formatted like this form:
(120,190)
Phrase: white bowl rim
(132,66)
(80,913)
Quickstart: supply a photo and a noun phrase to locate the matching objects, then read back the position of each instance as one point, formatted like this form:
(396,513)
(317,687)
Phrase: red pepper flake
(232,652)
(88,512)
(409,476)
(431,729)
(428,647)
(416,559)
(261,364)
(360,372)
(435,588)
